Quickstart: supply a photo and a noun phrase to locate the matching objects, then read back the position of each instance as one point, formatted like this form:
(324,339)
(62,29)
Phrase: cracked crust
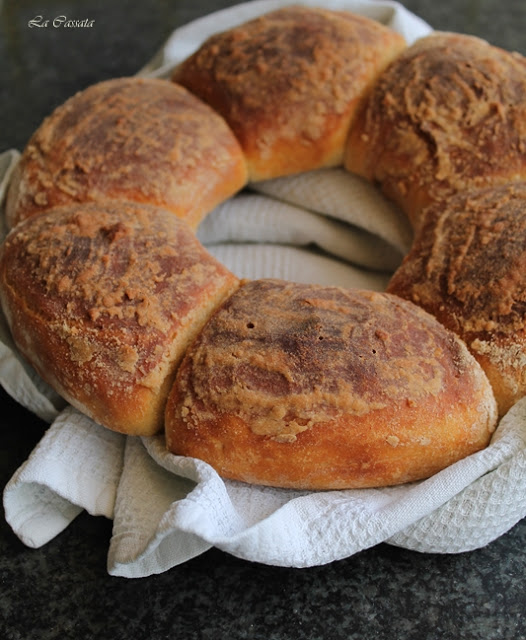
(448,114)
(134,139)
(289,83)
(316,387)
(103,300)
(467,267)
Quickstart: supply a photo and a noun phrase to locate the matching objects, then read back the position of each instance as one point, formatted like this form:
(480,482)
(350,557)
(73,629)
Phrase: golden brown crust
(136,139)
(103,300)
(286,385)
(289,82)
(323,388)
(448,114)
(467,267)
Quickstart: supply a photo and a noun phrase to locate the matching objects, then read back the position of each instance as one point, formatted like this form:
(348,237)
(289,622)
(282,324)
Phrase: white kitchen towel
(353,222)
(325,227)
(459,509)
(76,465)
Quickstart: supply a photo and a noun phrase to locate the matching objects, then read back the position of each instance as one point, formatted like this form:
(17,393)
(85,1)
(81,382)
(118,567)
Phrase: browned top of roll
(134,139)
(328,350)
(310,386)
(103,300)
(468,268)
(288,83)
(471,252)
(448,114)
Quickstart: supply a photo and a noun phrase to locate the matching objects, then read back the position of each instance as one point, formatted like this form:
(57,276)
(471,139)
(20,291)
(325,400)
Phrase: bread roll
(289,82)
(468,268)
(134,139)
(103,300)
(312,387)
(448,114)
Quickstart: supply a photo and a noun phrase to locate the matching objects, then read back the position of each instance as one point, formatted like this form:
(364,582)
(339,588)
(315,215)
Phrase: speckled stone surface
(63,590)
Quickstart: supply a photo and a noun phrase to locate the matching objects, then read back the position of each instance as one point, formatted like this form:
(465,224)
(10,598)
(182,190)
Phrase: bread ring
(386,393)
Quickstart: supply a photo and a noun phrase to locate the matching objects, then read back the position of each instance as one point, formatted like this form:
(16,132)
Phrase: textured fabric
(360,227)
(459,509)
(326,227)
(76,466)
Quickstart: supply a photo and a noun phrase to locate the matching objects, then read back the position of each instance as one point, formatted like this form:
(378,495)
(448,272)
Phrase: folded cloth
(76,466)
(348,198)
(459,509)
(295,264)
(348,219)
(325,227)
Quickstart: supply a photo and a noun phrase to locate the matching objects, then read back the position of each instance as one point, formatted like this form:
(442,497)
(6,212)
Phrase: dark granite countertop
(63,590)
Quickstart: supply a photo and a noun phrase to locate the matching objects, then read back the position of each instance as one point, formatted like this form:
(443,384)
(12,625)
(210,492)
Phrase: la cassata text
(59,22)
